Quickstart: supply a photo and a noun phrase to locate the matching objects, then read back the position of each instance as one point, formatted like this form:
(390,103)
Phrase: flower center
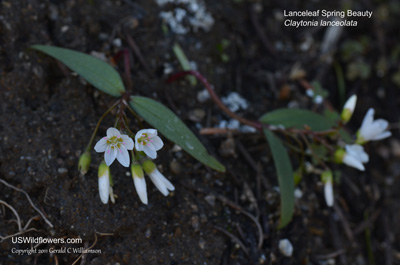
(114,142)
(144,139)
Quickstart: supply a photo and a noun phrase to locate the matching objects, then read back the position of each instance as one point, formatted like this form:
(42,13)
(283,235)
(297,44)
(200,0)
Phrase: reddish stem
(214,96)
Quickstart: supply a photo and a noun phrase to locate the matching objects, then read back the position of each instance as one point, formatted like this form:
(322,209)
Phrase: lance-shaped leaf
(97,72)
(164,120)
(285,177)
(298,118)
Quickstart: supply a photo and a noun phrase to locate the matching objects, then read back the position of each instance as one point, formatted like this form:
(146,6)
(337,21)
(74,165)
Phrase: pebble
(202,243)
(197,115)
(286,247)
(195,222)
(203,96)
(395,146)
(175,167)
(210,199)
(62,170)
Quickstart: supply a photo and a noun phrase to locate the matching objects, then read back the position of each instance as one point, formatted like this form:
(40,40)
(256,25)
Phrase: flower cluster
(354,155)
(115,146)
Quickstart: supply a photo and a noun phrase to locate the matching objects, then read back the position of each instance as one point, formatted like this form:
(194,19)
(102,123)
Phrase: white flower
(372,130)
(140,182)
(328,192)
(355,156)
(162,184)
(147,141)
(351,103)
(140,186)
(158,179)
(104,182)
(115,145)
(348,108)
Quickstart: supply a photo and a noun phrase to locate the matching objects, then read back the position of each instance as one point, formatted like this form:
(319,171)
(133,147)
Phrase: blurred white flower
(115,145)
(158,179)
(348,108)
(355,156)
(162,184)
(147,141)
(140,182)
(372,130)
(328,192)
(104,182)
(327,179)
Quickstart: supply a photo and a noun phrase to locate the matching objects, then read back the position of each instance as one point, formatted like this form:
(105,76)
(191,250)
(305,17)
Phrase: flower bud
(104,182)
(139,181)
(84,163)
(339,155)
(348,108)
(327,179)
(137,171)
(148,166)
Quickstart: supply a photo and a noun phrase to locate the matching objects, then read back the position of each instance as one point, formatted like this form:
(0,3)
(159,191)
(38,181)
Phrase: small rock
(197,115)
(62,170)
(117,43)
(147,234)
(227,147)
(175,167)
(203,96)
(176,148)
(286,247)
(195,222)
(298,193)
(395,146)
(210,199)
(202,243)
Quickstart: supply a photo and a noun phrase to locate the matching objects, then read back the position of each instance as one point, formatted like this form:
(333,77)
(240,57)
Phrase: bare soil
(47,117)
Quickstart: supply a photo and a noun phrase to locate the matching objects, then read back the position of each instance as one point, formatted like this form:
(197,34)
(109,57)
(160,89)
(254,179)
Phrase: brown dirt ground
(47,117)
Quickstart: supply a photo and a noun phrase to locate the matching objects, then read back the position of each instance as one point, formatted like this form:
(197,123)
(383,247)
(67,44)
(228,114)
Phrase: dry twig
(30,201)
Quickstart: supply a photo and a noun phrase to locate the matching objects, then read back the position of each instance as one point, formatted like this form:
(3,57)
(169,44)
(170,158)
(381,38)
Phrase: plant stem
(89,146)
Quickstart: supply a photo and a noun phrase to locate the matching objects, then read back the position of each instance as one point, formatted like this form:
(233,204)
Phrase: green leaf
(98,73)
(297,118)
(285,177)
(184,62)
(174,129)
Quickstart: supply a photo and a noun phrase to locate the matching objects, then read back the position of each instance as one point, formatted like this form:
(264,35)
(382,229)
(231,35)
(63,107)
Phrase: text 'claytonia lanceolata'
(115,145)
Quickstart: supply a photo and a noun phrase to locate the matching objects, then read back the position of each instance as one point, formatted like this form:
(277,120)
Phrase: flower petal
(157,179)
(328,192)
(149,151)
(113,132)
(353,162)
(357,151)
(109,155)
(104,188)
(101,145)
(127,142)
(382,124)
(382,135)
(168,184)
(351,103)
(140,185)
(123,156)
(157,142)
